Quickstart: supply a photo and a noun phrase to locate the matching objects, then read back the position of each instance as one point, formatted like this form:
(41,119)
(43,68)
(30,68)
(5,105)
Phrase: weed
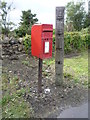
(49,61)
(21,92)
(25,63)
(13,104)
(68,75)
(5,99)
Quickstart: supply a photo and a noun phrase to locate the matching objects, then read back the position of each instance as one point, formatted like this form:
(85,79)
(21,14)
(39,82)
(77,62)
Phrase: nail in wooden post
(40,76)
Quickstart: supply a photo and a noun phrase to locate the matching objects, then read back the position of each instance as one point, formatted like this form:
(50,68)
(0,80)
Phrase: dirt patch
(46,103)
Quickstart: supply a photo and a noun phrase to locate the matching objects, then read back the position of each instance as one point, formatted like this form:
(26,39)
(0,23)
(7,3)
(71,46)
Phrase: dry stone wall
(11,48)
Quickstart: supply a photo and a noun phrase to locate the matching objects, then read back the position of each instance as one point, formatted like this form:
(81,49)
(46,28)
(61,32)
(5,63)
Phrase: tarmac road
(75,112)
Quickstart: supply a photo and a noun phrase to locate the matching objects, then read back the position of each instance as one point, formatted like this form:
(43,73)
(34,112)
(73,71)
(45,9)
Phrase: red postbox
(41,40)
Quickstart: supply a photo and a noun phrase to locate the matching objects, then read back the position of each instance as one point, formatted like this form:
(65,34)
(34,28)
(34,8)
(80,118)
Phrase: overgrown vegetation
(27,20)
(75,68)
(6,24)
(13,102)
(75,41)
(27,43)
(77,18)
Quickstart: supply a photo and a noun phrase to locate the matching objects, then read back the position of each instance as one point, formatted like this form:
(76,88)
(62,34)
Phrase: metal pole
(40,76)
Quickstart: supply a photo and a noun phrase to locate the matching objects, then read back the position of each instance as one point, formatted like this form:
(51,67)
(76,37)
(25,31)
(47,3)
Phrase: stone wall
(12,48)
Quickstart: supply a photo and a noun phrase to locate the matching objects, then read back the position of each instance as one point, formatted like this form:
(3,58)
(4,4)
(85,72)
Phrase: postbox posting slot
(49,30)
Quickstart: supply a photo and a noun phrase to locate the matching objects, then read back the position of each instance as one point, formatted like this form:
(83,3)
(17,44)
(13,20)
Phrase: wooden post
(59,55)
(88,65)
(40,76)
(0,79)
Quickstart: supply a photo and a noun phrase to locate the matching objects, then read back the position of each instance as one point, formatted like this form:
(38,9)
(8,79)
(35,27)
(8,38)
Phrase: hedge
(74,41)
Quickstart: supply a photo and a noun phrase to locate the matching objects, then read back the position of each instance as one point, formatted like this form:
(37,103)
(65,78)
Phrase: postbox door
(47,48)
(47,44)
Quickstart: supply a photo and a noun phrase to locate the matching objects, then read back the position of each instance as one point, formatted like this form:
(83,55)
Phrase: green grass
(25,63)
(16,108)
(75,68)
(13,103)
(49,61)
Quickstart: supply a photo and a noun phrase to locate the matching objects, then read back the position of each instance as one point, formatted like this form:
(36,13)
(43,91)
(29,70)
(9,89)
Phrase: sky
(45,9)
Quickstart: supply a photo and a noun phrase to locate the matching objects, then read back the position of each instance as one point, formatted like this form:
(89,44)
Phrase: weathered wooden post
(59,36)
(89,65)
(0,79)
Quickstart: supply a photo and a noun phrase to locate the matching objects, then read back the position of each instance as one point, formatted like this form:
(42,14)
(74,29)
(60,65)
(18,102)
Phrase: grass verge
(75,68)
(13,102)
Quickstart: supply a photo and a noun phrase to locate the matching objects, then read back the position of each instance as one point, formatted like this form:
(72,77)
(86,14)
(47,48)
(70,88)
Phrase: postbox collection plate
(46,47)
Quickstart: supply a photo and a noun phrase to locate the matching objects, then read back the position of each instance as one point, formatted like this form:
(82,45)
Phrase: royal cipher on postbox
(41,40)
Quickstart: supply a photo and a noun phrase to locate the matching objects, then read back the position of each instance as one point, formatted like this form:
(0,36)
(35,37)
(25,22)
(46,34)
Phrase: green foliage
(68,75)
(75,14)
(48,61)
(13,103)
(27,20)
(85,30)
(5,99)
(75,41)
(21,31)
(77,67)
(6,24)
(53,42)
(53,31)
(87,20)
(27,44)
(25,63)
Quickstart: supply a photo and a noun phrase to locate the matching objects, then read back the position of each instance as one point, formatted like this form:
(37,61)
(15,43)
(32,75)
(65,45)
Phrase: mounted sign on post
(41,45)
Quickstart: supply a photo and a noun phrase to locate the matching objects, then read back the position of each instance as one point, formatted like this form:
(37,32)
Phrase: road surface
(75,112)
